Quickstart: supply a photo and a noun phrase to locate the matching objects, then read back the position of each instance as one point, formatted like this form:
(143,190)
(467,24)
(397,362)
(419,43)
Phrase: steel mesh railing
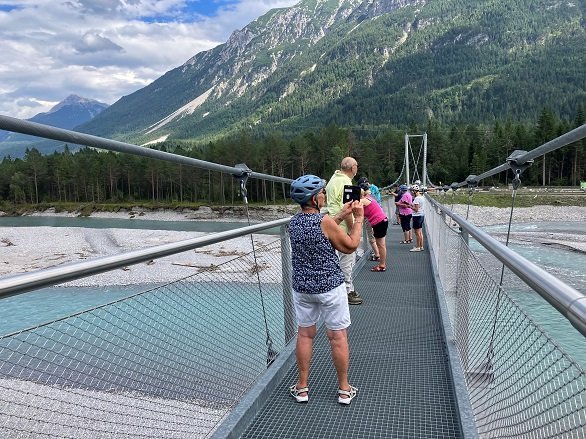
(168,362)
(521,384)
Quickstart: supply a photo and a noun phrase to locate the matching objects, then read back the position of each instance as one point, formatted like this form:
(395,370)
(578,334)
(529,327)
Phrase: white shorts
(332,306)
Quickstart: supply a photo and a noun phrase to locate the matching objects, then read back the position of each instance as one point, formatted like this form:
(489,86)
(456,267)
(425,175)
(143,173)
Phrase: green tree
(546,130)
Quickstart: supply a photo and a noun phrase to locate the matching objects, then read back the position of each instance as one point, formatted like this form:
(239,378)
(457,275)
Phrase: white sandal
(351,394)
(294,392)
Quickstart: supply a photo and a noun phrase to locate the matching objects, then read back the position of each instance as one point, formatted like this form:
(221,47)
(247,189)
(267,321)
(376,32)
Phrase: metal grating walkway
(398,361)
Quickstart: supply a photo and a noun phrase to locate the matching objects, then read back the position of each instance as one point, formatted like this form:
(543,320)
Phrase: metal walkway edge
(398,361)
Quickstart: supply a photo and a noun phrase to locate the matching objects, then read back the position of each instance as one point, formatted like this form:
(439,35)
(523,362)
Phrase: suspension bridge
(439,349)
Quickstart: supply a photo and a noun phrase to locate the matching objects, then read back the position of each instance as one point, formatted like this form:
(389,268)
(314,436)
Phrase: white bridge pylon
(409,153)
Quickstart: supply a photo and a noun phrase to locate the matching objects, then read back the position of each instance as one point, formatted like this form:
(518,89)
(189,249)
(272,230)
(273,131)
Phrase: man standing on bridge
(335,192)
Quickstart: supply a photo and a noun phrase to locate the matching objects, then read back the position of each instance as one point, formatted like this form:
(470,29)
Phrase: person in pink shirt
(379,222)
(405,214)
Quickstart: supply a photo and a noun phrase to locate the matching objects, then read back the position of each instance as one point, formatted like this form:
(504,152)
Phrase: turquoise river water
(35,308)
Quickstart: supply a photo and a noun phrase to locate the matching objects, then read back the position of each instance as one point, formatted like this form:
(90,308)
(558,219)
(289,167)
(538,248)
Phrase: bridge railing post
(288,313)
(465,236)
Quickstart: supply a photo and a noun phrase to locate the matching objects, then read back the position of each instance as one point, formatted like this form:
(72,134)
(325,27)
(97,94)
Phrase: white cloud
(103,49)
(93,42)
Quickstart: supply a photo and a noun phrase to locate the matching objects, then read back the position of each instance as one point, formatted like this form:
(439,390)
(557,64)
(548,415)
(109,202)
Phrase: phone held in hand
(351,193)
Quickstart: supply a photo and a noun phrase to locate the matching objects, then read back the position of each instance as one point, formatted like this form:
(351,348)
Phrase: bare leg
(340,355)
(382,251)
(375,249)
(419,237)
(303,351)
(370,237)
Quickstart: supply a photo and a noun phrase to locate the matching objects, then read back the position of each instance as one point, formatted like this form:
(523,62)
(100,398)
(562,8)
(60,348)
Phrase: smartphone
(351,193)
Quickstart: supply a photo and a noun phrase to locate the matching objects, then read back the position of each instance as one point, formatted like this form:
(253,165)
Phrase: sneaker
(416,249)
(354,298)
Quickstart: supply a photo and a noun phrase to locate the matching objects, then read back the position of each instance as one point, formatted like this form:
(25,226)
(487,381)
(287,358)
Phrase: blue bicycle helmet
(305,187)
(403,187)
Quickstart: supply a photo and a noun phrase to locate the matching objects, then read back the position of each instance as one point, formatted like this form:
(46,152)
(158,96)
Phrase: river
(30,309)
(532,241)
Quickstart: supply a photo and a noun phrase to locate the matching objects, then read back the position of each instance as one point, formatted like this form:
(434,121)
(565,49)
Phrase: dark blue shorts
(418,222)
(380,230)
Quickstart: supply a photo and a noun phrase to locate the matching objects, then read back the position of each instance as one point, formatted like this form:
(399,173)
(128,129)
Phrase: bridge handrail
(21,283)
(40,130)
(565,299)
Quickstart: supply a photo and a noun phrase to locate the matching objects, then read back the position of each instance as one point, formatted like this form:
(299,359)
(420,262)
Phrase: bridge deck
(398,361)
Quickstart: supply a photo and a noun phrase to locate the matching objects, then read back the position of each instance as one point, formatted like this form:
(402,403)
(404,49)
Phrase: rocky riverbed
(24,249)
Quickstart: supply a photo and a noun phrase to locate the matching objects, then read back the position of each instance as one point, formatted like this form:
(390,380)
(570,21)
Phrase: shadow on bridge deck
(398,361)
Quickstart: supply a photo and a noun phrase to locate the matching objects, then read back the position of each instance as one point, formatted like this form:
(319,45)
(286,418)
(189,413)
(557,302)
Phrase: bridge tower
(409,152)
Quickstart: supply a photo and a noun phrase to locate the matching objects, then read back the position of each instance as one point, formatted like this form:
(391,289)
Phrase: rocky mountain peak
(362,62)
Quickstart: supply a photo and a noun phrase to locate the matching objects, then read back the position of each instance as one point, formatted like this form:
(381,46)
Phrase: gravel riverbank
(24,249)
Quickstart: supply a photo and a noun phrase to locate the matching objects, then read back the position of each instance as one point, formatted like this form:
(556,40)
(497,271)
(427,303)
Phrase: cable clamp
(242,179)
(518,168)
(472,181)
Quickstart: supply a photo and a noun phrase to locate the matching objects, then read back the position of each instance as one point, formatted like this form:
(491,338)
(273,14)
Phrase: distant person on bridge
(318,281)
(396,192)
(335,191)
(418,207)
(365,186)
(405,213)
(375,191)
(379,224)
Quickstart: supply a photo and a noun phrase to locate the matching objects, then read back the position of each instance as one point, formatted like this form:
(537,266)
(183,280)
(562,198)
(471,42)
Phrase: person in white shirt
(418,206)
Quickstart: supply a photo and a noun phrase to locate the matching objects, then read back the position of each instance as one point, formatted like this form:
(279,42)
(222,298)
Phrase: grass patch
(86,209)
(505,199)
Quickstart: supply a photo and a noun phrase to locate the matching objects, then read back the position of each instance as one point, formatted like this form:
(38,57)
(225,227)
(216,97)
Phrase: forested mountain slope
(368,63)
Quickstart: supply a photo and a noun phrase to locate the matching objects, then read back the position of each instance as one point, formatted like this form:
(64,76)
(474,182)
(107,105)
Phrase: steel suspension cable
(271,352)
(398,178)
(490,352)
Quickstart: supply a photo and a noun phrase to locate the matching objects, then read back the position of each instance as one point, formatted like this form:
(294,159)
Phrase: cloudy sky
(105,49)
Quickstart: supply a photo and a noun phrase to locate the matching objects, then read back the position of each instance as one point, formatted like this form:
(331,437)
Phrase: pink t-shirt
(408,199)
(373,212)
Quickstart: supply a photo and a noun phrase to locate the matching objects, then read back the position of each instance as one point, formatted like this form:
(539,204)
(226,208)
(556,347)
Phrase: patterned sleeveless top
(316,268)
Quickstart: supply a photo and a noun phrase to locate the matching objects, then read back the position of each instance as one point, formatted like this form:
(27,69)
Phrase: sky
(105,49)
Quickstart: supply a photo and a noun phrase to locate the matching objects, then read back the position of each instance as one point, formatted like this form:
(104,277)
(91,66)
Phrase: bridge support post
(465,236)
(288,312)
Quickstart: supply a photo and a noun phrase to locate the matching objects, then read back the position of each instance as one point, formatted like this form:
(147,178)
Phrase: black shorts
(379,230)
(418,222)
(405,222)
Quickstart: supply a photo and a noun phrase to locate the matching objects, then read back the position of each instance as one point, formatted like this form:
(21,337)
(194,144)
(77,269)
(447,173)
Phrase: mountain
(69,113)
(367,64)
